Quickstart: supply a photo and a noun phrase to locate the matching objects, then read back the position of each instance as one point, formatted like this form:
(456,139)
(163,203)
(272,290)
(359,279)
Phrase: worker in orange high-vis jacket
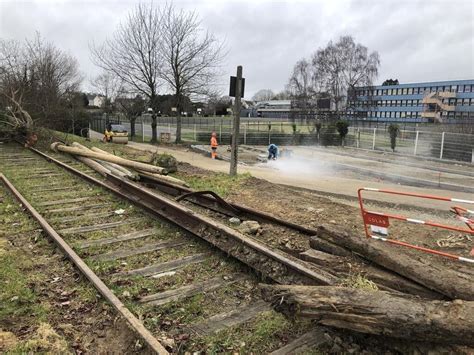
(214,145)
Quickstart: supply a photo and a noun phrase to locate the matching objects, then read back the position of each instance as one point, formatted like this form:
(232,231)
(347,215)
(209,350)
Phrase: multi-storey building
(443,101)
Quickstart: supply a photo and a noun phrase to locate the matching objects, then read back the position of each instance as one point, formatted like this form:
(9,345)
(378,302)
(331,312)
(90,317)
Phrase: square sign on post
(233,86)
(236,90)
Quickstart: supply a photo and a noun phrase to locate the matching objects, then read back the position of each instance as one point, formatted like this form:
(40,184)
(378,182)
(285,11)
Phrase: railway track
(165,266)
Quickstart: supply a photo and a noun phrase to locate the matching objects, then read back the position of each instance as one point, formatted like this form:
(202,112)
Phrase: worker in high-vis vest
(214,145)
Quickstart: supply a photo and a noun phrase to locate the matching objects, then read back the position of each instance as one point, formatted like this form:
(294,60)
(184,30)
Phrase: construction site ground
(291,189)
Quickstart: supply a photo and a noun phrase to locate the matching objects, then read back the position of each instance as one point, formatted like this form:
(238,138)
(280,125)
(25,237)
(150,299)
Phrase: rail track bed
(188,294)
(173,266)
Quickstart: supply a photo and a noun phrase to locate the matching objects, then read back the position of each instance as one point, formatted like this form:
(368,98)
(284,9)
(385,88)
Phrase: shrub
(342,127)
(393,130)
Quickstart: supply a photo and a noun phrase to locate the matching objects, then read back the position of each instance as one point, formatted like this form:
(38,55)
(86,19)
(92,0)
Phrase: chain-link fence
(425,143)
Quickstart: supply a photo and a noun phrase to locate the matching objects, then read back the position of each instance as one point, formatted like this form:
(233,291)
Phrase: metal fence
(425,143)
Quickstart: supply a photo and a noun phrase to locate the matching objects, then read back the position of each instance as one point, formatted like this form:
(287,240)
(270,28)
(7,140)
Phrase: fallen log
(107,157)
(421,269)
(111,167)
(325,246)
(89,162)
(164,178)
(116,166)
(377,312)
(384,279)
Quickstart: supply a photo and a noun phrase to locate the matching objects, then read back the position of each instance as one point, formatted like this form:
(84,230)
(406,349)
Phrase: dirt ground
(323,181)
(300,199)
(310,200)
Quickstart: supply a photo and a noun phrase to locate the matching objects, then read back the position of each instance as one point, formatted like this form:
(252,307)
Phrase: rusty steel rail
(137,326)
(284,269)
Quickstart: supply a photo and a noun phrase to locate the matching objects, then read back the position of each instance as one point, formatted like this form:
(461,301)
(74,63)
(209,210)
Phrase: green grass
(16,296)
(266,332)
(360,282)
(220,183)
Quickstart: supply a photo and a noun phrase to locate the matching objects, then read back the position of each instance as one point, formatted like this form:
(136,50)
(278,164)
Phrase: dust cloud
(298,166)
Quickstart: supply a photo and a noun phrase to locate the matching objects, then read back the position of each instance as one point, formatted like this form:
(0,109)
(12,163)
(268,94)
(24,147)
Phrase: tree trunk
(153,128)
(435,276)
(384,279)
(133,119)
(178,128)
(378,312)
(107,157)
(178,118)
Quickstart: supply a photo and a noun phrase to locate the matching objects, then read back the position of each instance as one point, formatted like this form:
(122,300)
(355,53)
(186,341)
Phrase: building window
(399,103)
(384,92)
(402,114)
(454,88)
(404,91)
(467,88)
(465,102)
(460,88)
(410,91)
(404,102)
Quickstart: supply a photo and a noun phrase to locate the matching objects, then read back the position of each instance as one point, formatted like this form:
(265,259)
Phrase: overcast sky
(417,40)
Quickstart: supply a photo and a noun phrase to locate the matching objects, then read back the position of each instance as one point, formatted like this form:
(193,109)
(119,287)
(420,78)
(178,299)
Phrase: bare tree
(133,54)
(263,95)
(190,55)
(107,85)
(282,95)
(132,106)
(303,88)
(36,81)
(343,65)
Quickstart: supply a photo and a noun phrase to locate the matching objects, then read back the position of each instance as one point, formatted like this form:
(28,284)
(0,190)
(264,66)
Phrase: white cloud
(417,40)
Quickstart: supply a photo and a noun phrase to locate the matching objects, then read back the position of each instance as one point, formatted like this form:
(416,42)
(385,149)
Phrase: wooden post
(442,146)
(416,142)
(235,131)
(373,140)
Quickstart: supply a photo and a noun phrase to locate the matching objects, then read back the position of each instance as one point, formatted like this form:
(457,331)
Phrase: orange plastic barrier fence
(376,223)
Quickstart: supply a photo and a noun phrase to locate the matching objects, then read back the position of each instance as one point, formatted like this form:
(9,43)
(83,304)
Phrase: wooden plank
(97,227)
(125,253)
(90,216)
(307,341)
(165,267)
(11,156)
(76,208)
(49,189)
(51,184)
(19,159)
(231,318)
(63,202)
(121,238)
(164,297)
(319,257)
(41,176)
(39,171)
